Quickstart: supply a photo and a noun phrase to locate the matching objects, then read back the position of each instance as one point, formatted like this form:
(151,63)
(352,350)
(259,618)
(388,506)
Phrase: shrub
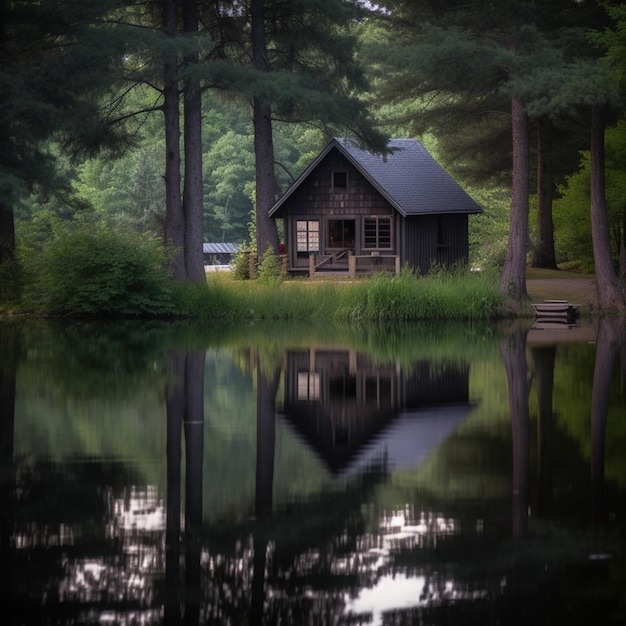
(270,268)
(94,270)
(241,263)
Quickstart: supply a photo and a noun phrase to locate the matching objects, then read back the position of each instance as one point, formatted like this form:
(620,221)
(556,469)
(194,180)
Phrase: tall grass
(441,296)
(459,295)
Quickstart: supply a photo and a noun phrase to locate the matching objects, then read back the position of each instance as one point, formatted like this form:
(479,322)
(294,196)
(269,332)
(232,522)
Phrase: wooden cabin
(358,212)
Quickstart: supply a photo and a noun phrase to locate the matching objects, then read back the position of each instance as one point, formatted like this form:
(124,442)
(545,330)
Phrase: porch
(345,262)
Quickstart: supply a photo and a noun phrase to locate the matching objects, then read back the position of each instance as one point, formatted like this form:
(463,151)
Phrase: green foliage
(229,179)
(572,218)
(489,231)
(270,268)
(93,270)
(9,282)
(58,60)
(128,191)
(241,262)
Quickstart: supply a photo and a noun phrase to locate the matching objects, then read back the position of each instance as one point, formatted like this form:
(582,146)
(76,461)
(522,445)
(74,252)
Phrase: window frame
(343,224)
(335,188)
(384,234)
(309,244)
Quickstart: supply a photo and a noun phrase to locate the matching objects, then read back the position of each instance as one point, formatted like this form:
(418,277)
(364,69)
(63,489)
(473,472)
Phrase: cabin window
(341,234)
(377,233)
(308,386)
(340,182)
(307,236)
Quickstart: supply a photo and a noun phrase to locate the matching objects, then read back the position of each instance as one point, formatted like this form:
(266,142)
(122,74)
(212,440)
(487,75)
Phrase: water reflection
(360,416)
(422,476)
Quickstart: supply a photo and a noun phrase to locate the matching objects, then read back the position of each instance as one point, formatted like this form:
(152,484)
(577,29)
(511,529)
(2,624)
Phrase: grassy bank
(460,296)
(577,288)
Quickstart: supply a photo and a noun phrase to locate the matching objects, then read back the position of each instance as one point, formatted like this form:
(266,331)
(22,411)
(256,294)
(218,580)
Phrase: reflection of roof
(409,439)
(404,441)
(411,180)
(219,248)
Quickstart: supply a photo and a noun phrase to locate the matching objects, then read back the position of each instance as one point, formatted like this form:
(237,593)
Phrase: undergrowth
(87,270)
(451,296)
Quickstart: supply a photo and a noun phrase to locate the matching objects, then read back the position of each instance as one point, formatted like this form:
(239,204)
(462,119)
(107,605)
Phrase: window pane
(314,236)
(370,235)
(307,235)
(384,233)
(340,181)
(377,233)
(341,233)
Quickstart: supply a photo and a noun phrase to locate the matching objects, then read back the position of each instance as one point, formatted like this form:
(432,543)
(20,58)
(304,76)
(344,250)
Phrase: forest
(181,122)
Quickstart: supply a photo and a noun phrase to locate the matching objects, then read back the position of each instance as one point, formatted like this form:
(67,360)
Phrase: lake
(431,474)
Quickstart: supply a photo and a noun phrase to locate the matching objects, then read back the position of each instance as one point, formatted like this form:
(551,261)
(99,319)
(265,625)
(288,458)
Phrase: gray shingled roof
(219,248)
(408,177)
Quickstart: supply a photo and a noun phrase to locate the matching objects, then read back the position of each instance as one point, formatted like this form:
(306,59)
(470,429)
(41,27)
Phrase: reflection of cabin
(351,411)
(358,212)
(218,253)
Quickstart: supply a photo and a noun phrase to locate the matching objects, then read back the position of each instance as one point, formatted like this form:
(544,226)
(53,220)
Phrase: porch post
(397,264)
(352,265)
(311,265)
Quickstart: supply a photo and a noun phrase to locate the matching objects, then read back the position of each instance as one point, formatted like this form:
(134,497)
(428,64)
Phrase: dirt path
(577,290)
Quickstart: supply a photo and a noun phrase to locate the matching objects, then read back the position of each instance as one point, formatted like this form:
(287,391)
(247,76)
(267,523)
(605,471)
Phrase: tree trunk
(193,189)
(513,280)
(174,218)
(609,294)
(7,253)
(266,231)
(544,255)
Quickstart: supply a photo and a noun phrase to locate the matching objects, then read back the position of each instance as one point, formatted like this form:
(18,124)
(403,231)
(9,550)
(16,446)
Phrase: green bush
(270,268)
(241,263)
(94,270)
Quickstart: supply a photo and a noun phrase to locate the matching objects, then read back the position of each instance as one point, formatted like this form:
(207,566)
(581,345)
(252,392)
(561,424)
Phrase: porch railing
(357,263)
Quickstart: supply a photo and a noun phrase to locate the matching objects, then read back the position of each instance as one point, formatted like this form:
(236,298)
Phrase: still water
(431,475)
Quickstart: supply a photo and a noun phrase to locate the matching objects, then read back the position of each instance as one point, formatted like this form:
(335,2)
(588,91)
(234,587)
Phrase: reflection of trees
(9,348)
(75,549)
(185,413)
(267,388)
(611,334)
(98,359)
(544,357)
(513,352)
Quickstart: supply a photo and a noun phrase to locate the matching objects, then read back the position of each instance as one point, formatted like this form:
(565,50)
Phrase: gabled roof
(408,177)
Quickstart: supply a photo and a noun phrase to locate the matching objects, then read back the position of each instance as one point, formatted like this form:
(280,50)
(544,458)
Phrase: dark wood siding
(315,198)
(435,240)
(420,241)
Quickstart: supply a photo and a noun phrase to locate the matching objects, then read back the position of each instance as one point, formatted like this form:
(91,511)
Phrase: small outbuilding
(358,212)
(219,253)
